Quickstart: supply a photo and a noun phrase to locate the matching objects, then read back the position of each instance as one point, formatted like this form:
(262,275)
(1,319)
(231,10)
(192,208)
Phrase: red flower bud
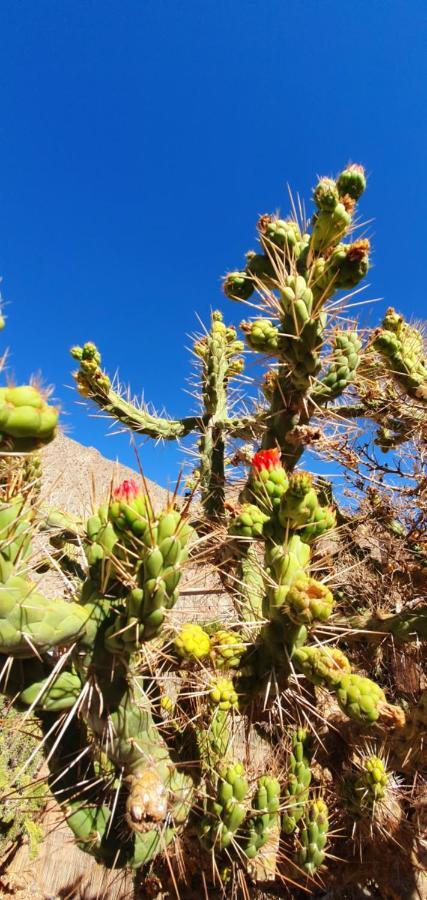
(126,491)
(267,459)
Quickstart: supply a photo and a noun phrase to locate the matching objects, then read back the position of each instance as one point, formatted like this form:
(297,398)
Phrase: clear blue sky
(139,142)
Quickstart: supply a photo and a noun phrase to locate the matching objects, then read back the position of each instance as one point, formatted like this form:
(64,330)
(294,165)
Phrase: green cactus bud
(222,694)
(192,642)
(363,700)
(128,510)
(249,523)
(308,601)
(268,480)
(313,836)
(281,233)
(261,335)
(227,649)
(238,286)
(325,194)
(370,786)
(402,348)
(26,420)
(352,181)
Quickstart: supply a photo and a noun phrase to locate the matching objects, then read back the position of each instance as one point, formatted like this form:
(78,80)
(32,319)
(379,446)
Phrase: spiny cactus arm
(265,816)
(52,694)
(345,360)
(408,625)
(250,585)
(31,623)
(402,348)
(219,353)
(368,787)
(27,422)
(94,384)
(298,780)
(313,836)
(226,813)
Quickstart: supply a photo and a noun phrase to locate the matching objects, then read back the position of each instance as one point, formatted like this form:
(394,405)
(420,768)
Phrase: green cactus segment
(301,332)
(300,509)
(88,824)
(219,351)
(265,820)
(402,347)
(192,642)
(94,384)
(268,480)
(285,565)
(15,535)
(261,335)
(31,623)
(225,814)
(165,552)
(249,523)
(222,694)
(308,601)
(298,780)
(342,372)
(26,420)
(101,537)
(226,649)
(323,666)
(213,741)
(251,588)
(52,695)
(409,625)
(329,226)
(408,742)
(370,786)
(313,836)
(352,182)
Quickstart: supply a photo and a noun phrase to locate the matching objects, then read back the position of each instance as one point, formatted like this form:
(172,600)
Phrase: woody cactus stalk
(229,732)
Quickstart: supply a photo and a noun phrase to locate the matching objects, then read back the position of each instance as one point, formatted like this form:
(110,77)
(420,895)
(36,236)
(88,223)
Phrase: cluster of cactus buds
(26,419)
(402,347)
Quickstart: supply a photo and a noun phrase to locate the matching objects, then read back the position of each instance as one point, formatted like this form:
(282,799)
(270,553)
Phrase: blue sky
(139,143)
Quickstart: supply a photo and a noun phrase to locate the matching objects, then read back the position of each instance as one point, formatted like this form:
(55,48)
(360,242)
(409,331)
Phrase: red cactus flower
(126,491)
(267,459)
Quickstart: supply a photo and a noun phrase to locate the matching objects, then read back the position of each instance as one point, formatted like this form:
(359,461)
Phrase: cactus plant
(151,722)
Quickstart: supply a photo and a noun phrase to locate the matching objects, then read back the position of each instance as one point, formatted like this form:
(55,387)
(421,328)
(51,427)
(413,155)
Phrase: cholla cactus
(158,728)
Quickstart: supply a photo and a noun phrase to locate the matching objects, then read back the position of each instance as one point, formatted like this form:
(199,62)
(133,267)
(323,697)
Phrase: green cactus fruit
(323,666)
(249,523)
(268,480)
(238,286)
(363,700)
(31,623)
(261,335)
(128,510)
(281,233)
(313,836)
(264,822)
(227,649)
(345,360)
(222,694)
(352,182)
(192,642)
(52,695)
(329,226)
(308,601)
(298,780)
(26,420)
(325,194)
